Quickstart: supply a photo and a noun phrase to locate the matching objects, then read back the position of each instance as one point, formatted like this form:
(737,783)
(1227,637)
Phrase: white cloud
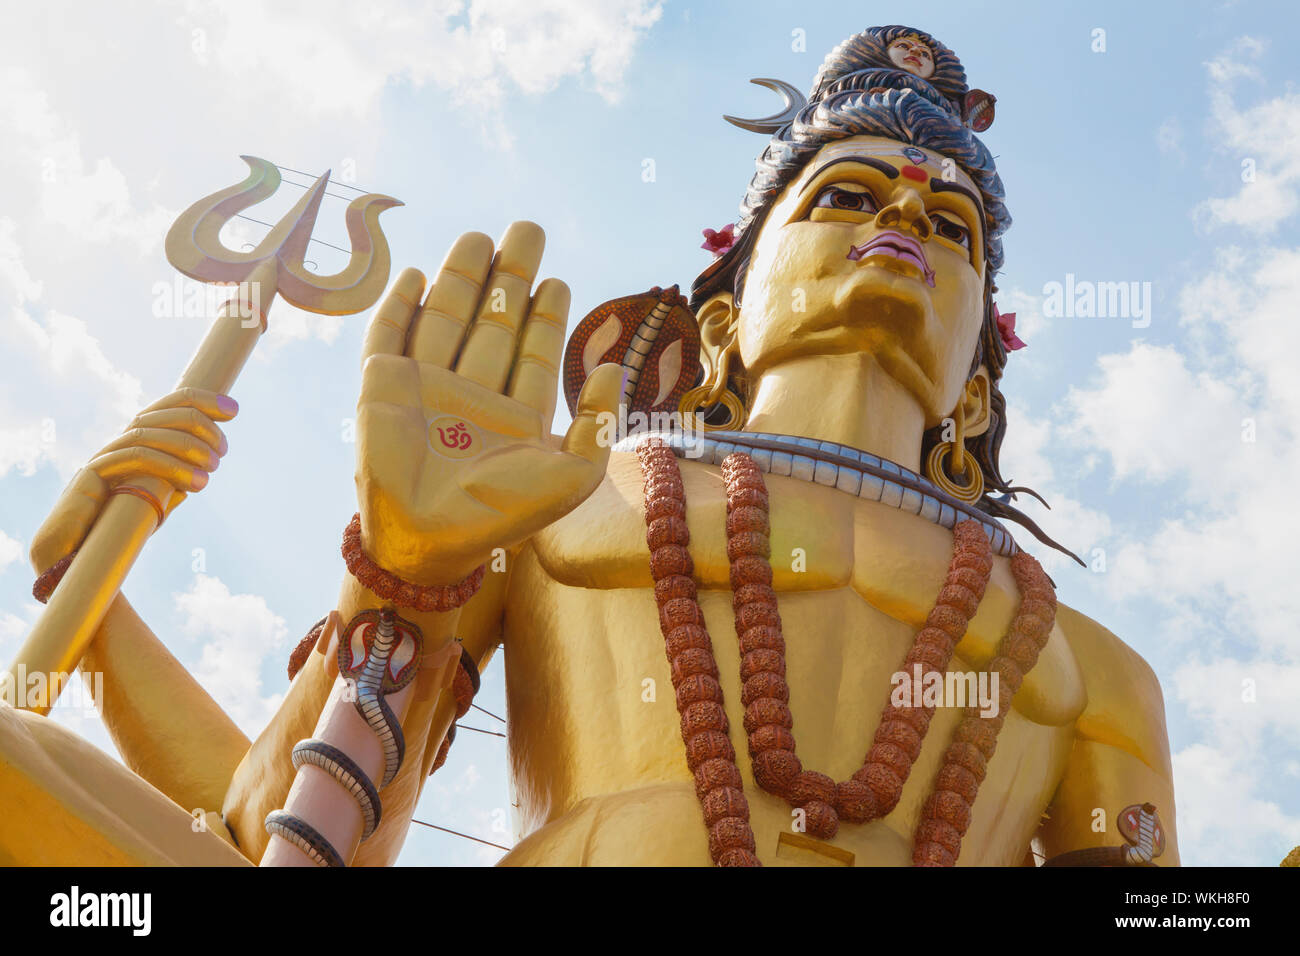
(1221,815)
(287,323)
(1265,140)
(1221,568)
(79,185)
(12,630)
(13,271)
(338,57)
(1028,310)
(1203,431)
(1181,421)
(1239,698)
(1241,315)
(237,632)
(1233,63)
(10,551)
(93,204)
(1158,419)
(87,400)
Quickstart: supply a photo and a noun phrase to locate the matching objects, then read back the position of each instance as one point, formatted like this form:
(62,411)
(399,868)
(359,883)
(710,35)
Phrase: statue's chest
(826,547)
(602,543)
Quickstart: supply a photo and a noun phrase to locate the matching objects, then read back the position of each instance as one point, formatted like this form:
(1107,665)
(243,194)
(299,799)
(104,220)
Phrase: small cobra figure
(377,657)
(370,693)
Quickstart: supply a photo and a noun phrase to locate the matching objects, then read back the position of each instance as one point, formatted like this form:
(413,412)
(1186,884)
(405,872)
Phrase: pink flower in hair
(722,240)
(1007,329)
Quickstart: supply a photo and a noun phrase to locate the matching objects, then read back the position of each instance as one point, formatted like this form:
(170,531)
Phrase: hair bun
(869,51)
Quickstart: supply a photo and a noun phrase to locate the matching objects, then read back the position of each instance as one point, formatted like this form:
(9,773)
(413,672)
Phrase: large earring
(699,397)
(963,462)
(712,393)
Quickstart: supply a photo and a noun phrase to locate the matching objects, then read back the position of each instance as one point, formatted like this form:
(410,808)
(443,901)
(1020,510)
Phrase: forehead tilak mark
(864,156)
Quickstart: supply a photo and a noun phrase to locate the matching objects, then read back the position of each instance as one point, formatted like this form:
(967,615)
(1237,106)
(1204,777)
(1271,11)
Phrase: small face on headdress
(912,54)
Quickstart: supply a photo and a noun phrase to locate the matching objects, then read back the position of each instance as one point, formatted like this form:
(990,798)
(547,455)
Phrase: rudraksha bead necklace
(875,789)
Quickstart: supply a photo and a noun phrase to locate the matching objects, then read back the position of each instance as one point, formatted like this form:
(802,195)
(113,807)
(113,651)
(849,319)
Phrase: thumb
(595,426)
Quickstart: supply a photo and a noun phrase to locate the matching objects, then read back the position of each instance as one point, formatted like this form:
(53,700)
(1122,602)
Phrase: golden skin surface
(804,295)
(877,349)
(867,351)
(600,771)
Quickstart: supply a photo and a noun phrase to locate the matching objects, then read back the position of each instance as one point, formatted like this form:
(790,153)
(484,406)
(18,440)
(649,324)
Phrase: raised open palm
(454,453)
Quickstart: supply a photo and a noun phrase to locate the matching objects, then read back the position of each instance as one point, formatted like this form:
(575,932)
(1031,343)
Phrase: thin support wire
(240,215)
(480,730)
(314,177)
(434,826)
(488,712)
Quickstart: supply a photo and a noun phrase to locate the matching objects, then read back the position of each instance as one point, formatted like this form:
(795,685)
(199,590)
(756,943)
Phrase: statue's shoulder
(601,542)
(1125,706)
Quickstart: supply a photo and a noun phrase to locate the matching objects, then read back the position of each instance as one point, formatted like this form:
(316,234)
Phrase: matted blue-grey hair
(870,48)
(859,91)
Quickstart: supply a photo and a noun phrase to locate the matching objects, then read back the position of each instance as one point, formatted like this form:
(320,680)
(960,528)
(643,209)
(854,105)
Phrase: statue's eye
(833,197)
(947,229)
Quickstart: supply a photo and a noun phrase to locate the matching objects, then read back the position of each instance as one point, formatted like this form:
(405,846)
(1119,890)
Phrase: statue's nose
(906,212)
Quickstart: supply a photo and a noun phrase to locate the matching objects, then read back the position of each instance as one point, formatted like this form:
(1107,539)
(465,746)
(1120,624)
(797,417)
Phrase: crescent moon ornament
(794,103)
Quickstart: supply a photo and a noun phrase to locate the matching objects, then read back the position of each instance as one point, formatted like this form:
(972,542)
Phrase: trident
(64,632)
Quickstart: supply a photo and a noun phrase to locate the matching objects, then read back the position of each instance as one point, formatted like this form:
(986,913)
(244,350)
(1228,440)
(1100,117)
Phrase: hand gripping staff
(75,610)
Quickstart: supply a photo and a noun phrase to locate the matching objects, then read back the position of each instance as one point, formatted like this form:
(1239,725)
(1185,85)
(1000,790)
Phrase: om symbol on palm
(452,437)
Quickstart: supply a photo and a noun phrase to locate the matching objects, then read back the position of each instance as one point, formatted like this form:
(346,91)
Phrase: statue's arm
(166,727)
(262,781)
(1120,755)
(454,462)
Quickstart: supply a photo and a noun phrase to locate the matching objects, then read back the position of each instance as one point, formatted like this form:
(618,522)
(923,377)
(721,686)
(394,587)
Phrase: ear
(719,342)
(976,402)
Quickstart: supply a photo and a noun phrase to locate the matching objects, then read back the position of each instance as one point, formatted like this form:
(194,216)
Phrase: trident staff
(276,266)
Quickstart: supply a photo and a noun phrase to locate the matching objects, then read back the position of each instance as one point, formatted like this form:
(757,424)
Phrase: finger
(537,368)
(221,408)
(386,334)
(490,345)
(177,444)
(592,432)
(188,420)
(391,379)
(449,307)
(115,466)
(61,533)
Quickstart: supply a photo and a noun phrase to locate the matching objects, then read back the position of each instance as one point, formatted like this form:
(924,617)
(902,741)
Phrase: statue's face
(912,56)
(871,250)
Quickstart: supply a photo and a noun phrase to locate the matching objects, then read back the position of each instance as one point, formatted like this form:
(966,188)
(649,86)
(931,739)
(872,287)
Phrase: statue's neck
(847,399)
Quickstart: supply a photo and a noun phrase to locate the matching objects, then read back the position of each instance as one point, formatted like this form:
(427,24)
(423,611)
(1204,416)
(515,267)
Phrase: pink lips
(891,243)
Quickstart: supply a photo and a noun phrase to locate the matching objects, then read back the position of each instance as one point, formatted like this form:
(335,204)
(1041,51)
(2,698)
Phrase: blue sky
(1122,165)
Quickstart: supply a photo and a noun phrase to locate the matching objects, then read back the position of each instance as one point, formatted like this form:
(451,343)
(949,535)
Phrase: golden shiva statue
(676,609)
